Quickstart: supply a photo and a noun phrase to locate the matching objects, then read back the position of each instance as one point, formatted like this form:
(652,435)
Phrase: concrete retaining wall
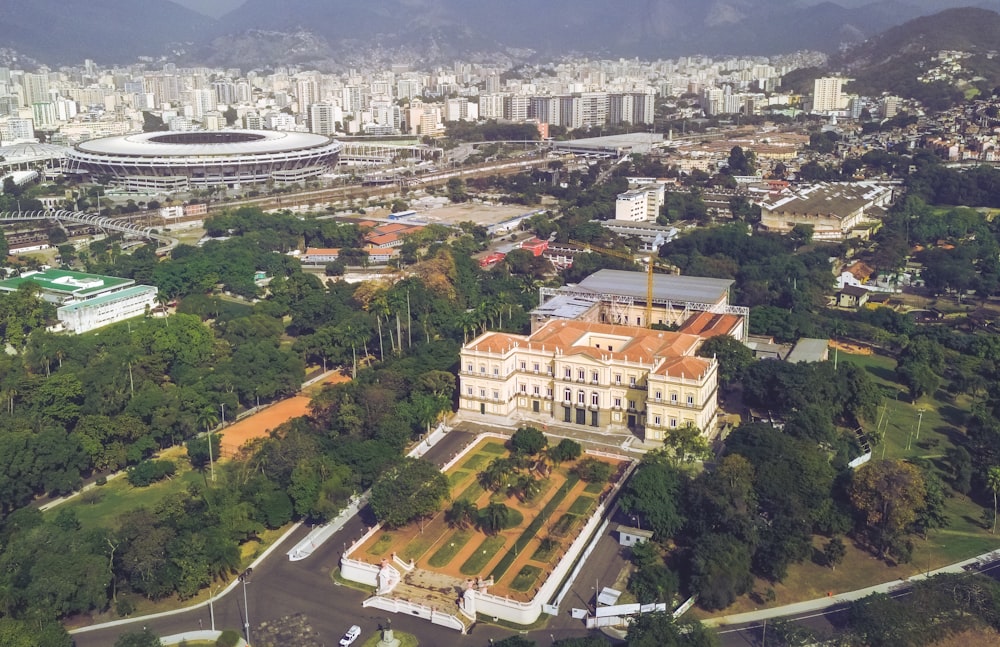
(363,572)
(395,605)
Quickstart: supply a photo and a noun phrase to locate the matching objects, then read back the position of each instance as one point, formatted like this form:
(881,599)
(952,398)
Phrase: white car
(351,635)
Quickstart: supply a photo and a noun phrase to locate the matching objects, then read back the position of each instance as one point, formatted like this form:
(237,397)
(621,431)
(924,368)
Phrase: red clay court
(260,424)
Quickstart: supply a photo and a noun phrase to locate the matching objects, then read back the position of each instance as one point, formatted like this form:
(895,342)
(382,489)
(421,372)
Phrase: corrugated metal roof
(809,350)
(696,289)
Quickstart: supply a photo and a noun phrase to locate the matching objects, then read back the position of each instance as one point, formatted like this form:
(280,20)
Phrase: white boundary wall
(395,605)
(524,613)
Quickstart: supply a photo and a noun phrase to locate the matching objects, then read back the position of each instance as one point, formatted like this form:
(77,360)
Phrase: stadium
(179,161)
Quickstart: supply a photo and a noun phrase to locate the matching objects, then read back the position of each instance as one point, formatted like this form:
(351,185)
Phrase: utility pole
(244,576)
(920,419)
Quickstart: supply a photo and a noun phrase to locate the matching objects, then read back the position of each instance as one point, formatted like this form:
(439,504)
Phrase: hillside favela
(451,323)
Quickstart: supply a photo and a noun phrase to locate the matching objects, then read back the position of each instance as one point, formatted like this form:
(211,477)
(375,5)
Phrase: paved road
(279,587)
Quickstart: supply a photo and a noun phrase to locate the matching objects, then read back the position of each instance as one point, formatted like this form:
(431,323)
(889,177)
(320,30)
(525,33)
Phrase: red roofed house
(535,246)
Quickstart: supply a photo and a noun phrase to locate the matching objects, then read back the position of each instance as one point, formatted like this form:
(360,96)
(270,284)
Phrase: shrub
(101,480)
(566,450)
(148,472)
(592,470)
(528,441)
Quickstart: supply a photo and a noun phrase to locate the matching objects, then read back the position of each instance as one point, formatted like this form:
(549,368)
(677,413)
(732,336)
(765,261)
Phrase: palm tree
(208,418)
(497,474)
(993,481)
(462,514)
(527,487)
(495,518)
(468,321)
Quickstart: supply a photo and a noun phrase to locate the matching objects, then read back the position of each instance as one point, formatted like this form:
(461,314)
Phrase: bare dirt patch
(260,424)
(848,347)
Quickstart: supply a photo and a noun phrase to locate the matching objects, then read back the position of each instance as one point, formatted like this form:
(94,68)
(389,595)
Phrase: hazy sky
(213,8)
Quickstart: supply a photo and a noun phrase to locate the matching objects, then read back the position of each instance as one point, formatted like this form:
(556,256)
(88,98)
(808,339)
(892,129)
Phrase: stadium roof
(31,151)
(203,143)
(667,287)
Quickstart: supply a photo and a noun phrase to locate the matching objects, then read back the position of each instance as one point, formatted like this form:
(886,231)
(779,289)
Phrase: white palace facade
(605,377)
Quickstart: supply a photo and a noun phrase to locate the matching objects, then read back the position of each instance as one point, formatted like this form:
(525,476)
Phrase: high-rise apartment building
(515,107)
(323,118)
(408,88)
(491,106)
(36,88)
(828,94)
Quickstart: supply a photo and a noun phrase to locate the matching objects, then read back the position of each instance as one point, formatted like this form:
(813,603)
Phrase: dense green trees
(414,489)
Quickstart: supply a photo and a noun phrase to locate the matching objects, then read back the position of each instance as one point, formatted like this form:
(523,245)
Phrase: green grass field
(450,548)
(583,505)
(494,448)
(101,506)
(405,639)
(416,547)
(525,578)
(922,429)
(381,545)
(471,493)
(484,553)
(595,488)
(457,477)
(478,461)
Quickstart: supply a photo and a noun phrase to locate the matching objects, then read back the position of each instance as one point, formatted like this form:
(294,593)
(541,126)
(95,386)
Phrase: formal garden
(513,510)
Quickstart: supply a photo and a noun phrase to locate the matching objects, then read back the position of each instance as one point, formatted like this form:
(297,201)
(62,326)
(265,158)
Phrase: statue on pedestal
(388,640)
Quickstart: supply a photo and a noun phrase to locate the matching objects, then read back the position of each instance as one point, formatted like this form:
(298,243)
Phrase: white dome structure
(182,160)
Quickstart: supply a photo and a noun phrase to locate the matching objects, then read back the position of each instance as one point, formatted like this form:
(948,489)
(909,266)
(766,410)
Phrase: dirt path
(260,424)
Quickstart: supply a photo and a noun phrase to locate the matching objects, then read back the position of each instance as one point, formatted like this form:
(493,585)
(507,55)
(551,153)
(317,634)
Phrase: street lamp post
(244,576)
(211,606)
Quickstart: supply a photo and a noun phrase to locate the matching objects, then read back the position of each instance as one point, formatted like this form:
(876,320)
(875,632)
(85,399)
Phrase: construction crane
(653,260)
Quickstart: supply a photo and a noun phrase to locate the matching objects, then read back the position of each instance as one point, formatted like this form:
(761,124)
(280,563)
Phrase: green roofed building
(87,301)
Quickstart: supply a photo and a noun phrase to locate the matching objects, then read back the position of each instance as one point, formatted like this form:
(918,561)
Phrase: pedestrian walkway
(811,606)
(318,535)
(599,440)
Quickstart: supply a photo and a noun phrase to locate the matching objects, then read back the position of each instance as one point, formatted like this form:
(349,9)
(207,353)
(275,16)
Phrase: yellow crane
(651,261)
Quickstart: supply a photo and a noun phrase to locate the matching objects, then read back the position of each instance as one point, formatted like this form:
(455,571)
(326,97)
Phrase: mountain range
(334,35)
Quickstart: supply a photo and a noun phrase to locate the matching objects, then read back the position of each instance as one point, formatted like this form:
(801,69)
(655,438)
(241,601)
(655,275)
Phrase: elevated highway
(165,243)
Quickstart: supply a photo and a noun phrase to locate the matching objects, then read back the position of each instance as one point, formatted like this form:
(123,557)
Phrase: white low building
(87,301)
(110,308)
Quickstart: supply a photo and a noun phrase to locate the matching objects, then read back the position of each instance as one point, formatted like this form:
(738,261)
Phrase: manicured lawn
(416,547)
(450,548)
(478,561)
(405,639)
(101,506)
(533,528)
(545,553)
(525,578)
(595,488)
(471,493)
(562,527)
(937,417)
(457,477)
(583,505)
(381,545)
(477,462)
(494,448)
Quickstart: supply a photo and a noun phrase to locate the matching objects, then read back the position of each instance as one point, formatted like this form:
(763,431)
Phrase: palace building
(602,376)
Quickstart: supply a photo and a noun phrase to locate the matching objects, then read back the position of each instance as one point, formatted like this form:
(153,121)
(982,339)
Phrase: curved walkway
(841,598)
